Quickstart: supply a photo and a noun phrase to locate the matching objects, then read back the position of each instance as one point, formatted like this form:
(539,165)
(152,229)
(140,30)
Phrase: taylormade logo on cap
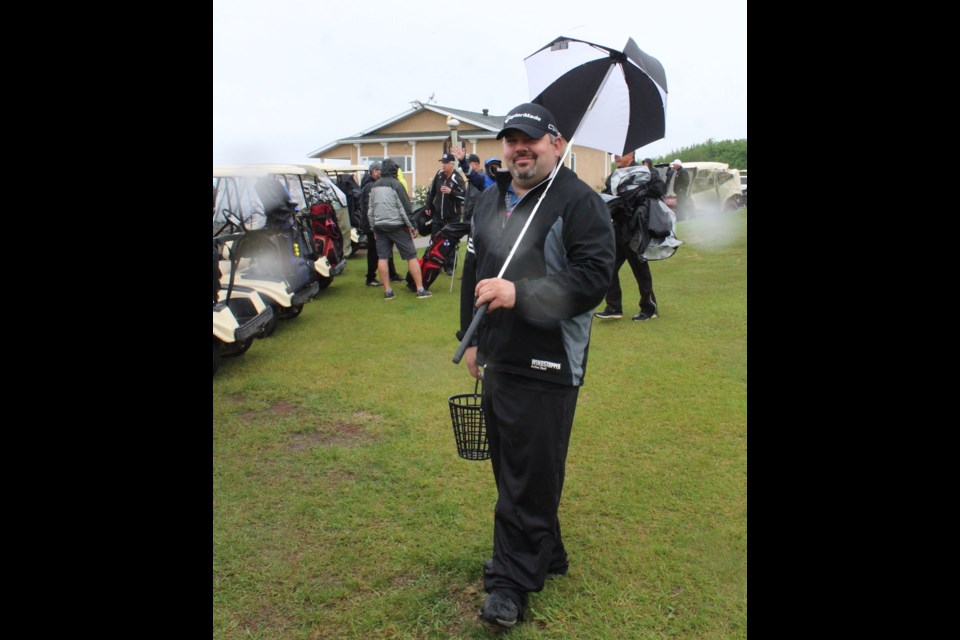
(531,119)
(521,115)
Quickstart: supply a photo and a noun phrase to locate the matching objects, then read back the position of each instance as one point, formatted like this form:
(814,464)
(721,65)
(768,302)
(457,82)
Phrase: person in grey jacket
(389,212)
(532,344)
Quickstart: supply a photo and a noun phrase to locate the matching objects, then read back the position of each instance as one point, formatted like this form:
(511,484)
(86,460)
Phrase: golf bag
(348,184)
(648,223)
(423,222)
(326,235)
(439,253)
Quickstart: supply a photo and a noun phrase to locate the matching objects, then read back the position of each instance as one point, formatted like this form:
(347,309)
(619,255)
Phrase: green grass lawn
(341,509)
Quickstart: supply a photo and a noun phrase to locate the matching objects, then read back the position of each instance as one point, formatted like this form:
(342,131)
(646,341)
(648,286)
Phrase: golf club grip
(477,317)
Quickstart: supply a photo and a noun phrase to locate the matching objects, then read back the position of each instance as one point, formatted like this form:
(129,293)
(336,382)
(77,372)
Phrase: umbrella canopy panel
(630,110)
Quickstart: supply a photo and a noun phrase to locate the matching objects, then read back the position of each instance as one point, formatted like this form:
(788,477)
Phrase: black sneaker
(397,278)
(499,609)
(449,272)
(645,316)
(610,313)
(389,295)
(374,283)
(551,574)
(424,293)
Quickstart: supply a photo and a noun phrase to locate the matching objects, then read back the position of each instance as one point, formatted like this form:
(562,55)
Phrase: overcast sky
(290,76)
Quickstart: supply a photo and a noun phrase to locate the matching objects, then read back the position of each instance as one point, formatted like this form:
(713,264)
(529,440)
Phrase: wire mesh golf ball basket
(469,426)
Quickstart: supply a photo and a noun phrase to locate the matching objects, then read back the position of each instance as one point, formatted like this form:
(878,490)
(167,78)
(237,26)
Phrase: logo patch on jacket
(543,365)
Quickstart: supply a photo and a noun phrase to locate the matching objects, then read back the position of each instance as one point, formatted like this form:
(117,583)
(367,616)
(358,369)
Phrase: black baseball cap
(531,119)
(473,158)
(448,157)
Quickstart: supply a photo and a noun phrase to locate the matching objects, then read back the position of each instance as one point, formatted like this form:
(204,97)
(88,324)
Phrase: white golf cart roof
(255,170)
(324,168)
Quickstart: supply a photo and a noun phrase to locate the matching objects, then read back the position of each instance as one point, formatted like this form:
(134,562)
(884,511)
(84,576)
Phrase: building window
(404,162)
(572,161)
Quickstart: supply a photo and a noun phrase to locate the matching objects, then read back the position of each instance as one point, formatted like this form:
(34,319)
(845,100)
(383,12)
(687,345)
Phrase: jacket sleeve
(590,253)
(406,209)
(467,285)
(459,190)
(477,180)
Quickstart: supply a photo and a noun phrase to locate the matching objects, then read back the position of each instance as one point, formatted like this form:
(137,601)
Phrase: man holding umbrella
(532,344)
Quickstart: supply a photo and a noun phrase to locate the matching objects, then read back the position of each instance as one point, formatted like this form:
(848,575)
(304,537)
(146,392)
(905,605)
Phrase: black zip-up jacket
(446,207)
(561,272)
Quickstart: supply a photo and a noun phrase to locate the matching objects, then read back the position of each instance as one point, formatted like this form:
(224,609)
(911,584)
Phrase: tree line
(733,152)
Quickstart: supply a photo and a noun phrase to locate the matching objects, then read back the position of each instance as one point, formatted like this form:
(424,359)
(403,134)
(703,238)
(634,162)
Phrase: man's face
(447,168)
(529,160)
(375,174)
(623,161)
(476,167)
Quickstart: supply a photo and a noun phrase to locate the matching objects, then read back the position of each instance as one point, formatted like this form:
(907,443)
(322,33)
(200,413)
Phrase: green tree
(733,152)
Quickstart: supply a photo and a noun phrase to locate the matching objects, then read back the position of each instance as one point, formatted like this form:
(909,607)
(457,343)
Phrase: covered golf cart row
(281,233)
(714,188)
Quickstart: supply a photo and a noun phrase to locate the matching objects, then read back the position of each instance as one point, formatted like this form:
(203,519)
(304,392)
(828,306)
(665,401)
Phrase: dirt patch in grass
(341,434)
(466,599)
(283,408)
(265,618)
(363,416)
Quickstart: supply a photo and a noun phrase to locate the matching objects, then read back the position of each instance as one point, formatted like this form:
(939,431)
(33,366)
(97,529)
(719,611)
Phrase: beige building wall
(592,165)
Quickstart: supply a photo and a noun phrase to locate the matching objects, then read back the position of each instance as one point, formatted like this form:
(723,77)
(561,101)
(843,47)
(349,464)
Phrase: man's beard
(525,174)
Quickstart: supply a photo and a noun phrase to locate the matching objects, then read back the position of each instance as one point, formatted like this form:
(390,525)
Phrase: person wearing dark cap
(641,269)
(445,199)
(366,184)
(531,347)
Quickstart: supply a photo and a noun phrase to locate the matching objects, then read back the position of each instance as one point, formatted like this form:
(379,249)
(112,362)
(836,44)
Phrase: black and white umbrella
(614,100)
(608,99)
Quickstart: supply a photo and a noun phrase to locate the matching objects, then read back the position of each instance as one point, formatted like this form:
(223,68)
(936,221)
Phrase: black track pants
(528,426)
(641,271)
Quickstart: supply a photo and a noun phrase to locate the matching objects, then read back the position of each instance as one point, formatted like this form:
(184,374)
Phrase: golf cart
(714,187)
(332,174)
(262,244)
(344,179)
(238,318)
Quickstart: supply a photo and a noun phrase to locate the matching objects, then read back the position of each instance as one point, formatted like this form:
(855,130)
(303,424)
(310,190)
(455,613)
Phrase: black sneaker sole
(497,621)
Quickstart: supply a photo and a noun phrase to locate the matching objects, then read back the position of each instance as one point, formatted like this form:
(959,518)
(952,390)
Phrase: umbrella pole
(481,311)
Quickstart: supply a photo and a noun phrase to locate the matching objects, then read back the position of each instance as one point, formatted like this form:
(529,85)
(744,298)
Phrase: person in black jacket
(639,266)
(445,200)
(373,174)
(531,347)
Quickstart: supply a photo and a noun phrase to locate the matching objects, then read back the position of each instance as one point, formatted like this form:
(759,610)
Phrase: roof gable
(482,125)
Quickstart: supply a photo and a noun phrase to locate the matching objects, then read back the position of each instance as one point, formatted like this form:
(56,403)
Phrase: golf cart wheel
(732,203)
(291,312)
(237,348)
(216,355)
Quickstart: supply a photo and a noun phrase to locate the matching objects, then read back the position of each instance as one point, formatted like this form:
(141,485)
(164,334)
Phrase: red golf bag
(327,237)
(439,253)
